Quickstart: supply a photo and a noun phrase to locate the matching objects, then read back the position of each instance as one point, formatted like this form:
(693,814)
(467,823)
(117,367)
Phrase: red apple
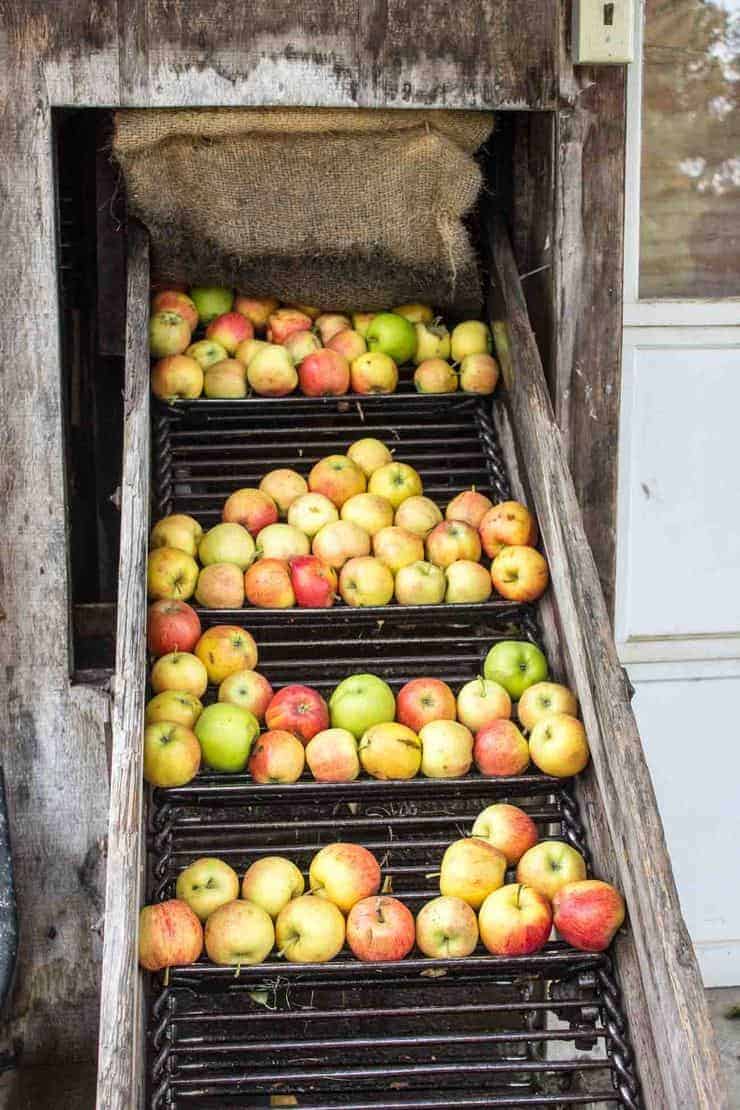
(338,478)
(169,934)
(515,921)
(299,710)
(172,626)
(276,756)
(549,865)
(230,330)
(508,828)
(174,300)
(252,508)
(396,547)
(469,506)
(220,586)
(452,540)
(329,324)
(284,486)
(284,321)
(588,914)
(339,541)
(348,343)
(301,344)
(434,375)
(481,701)
(247,688)
(314,582)
(267,584)
(256,309)
(344,874)
(500,749)
(324,374)
(520,573)
(332,756)
(176,377)
(380,928)
(508,524)
(423,700)
(478,374)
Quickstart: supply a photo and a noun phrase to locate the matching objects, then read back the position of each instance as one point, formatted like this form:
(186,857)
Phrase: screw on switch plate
(603,33)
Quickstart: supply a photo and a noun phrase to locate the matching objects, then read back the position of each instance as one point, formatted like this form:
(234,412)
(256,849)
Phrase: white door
(678,529)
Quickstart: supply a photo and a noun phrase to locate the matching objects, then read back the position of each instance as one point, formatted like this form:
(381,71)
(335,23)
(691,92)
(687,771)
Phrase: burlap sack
(342,209)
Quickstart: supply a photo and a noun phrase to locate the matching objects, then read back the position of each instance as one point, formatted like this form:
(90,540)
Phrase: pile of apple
(351,505)
(345,903)
(324,354)
(362,727)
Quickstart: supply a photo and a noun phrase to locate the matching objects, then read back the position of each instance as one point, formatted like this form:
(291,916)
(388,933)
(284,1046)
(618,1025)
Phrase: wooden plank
(121,1044)
(623,800)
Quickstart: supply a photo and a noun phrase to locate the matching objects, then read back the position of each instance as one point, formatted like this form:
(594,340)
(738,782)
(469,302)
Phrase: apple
(423,700)
(549,865)
(471,869)
(515,921)
(271,882)
(268,585)
(169,334)
(558,745)
(373,372)
(515,665)
(361,321)
(257,310)
(452,540)
(468,583)
(392,335)
(470,338)
(282,541)
(365,581)
(230,330)
(469,506)
(446,928)
(432,341)
(300,710)
(174,300)
(177,530)
(500,749)
(420,583)
(171,754)
(329,324)
(434,375)
(397,548)
(211,301)
(171,626)
(332,756)
(284,486)
(283,322)
(542,700)
(176,706)
(482,701)
(226,734)
(447,750)
(248,348)
(396,482)
(369,511)
(309,930)
(276,756)
(220,586)
(339,541)
(361,701)
(239,933)
(369,454)
(314,583)
(171,574)
(508,828)
(271,372)
(324,373)
(301,344)
(380,929)
(252,508)
(247,688)
(415,313)
(227,543)
(226,649)
(349,344)
(588,914)
(344,874)
(177,377)
(508,524)
(225,381)
(418,515)
(338,478)
(311,512)
(179,670)
(520,573)
(206,353)
(479,374)
(169,934)
(207,884)
(390,751)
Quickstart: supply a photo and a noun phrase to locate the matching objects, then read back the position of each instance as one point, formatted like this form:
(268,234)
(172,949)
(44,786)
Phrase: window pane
(690,188)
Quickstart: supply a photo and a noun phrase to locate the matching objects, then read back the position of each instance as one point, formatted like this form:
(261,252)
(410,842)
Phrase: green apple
(392,335)
(211,301)
(515,665)
(226,733)
(361,701)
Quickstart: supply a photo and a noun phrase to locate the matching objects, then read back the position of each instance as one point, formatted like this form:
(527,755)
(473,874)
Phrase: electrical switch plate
(603,33)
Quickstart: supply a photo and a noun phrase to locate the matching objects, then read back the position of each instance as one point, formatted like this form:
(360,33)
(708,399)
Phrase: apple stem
(281,952)
(166,977)
(433,875)
(482,681)
(238,970)
(518,895)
